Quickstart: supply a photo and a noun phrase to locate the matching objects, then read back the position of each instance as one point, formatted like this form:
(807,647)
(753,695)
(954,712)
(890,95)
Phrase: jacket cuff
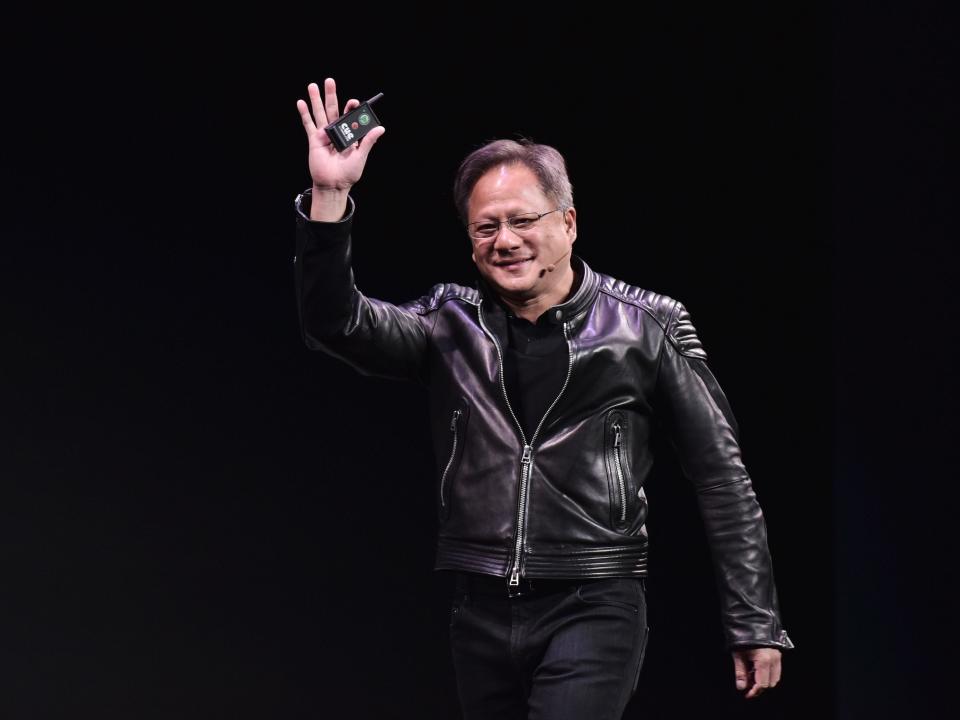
(302,204)
(781,642)
(315,234)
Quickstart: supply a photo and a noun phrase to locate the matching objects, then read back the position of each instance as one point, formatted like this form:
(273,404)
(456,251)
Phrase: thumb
(740,671)
(369,140)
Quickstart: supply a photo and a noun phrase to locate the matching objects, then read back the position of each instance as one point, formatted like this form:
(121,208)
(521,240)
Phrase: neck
(531,308)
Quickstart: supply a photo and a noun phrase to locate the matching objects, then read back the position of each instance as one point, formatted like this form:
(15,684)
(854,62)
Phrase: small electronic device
(348,129)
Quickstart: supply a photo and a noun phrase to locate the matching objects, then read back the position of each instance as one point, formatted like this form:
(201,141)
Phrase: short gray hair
(544,161)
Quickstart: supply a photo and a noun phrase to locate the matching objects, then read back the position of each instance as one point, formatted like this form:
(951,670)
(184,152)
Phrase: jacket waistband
(614,561)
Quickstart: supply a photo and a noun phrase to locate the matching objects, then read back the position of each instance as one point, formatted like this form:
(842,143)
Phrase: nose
(505,240)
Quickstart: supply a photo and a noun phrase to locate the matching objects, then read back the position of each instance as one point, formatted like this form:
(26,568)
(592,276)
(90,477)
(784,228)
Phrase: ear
(570,223)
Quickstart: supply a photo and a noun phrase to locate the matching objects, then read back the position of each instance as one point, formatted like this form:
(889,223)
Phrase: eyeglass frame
(509,225)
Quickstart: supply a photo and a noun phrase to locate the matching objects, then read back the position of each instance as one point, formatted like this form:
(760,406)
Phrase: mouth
(514,263)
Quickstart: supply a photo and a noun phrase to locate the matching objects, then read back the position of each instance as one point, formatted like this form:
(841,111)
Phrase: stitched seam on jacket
(722,484)
(671,327)
(636,303)
(679,345)
(433,307)
(653,316)
(667,327)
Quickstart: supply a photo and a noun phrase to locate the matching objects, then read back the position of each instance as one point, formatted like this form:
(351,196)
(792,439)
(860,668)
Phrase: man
(544,385)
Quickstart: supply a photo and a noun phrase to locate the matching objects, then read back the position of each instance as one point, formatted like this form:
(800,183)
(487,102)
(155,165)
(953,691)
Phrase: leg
(488,682)
(594,641)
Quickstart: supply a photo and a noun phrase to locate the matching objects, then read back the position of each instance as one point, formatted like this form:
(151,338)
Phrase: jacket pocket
(458,423)
(617,472)
(628,504)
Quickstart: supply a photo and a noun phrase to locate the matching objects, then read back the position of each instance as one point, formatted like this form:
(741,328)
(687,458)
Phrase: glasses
(486,229)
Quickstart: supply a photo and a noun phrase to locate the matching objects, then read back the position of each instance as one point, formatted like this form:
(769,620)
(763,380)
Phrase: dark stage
(203,519)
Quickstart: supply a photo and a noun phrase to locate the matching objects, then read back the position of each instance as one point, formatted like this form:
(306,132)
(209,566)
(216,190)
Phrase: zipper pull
(616,436)
(527,455)
(453,422)
(514,579)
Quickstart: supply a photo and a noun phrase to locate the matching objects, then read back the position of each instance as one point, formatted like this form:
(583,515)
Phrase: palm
(330,168)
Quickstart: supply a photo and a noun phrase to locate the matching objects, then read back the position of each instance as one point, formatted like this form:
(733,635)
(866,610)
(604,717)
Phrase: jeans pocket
(614,592)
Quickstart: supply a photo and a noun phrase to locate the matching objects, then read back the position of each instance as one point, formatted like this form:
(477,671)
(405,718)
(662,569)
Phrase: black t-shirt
(534,368)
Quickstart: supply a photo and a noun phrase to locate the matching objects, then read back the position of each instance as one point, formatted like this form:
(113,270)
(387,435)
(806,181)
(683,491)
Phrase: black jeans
(563,650)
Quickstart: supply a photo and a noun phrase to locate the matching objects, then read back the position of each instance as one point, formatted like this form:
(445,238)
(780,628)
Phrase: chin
(517,287)
(512,283)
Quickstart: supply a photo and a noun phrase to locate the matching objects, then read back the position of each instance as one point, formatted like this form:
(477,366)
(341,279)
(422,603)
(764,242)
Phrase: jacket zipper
(453,453)
(619,468)
(526,459)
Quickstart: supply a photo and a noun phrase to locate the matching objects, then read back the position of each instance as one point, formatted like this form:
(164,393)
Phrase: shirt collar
(586,284)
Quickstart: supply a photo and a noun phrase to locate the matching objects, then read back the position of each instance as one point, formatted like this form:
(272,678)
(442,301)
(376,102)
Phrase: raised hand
(333,173)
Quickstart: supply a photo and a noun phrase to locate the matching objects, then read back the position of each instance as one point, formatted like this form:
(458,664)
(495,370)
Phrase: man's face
(514,262)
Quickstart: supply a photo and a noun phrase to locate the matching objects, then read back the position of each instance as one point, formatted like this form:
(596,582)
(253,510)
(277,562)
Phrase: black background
(202,519)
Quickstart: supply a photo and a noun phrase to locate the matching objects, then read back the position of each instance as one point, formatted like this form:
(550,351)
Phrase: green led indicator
(364,119)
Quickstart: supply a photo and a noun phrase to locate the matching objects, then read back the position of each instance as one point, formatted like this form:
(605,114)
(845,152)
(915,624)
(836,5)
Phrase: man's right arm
(373,336)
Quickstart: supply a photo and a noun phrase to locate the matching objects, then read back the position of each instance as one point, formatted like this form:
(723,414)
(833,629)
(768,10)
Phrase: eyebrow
(510,214)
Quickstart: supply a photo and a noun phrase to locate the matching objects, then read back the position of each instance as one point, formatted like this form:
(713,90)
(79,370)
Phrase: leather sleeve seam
(434,306)
(723,484)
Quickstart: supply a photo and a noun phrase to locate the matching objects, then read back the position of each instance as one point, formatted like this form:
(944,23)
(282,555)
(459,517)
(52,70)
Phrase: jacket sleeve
(374,337)
(704,432)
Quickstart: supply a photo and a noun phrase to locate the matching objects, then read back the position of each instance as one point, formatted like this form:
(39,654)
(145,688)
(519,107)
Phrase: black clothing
(534,367)
(566,500)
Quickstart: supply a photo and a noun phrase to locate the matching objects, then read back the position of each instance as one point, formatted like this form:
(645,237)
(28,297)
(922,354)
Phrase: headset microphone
(553,266)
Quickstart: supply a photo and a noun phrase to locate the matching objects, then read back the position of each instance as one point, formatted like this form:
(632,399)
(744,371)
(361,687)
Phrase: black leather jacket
(567,501)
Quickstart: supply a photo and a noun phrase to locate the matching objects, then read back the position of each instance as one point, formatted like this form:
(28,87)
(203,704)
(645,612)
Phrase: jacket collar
(573,308)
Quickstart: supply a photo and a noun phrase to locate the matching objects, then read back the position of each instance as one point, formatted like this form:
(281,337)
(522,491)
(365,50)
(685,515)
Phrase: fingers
(765,666)
(369,140)
(308,123)
(740,672)
(326,111)
(331,104)
(775,670)
(761,678)
(319,113)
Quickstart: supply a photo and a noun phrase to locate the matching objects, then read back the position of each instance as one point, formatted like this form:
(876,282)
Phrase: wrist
(328,204)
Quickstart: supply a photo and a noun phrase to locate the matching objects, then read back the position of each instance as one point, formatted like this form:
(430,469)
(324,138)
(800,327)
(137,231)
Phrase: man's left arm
(704,432)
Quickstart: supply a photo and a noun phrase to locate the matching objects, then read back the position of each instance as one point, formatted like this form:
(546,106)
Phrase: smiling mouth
(513,263)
